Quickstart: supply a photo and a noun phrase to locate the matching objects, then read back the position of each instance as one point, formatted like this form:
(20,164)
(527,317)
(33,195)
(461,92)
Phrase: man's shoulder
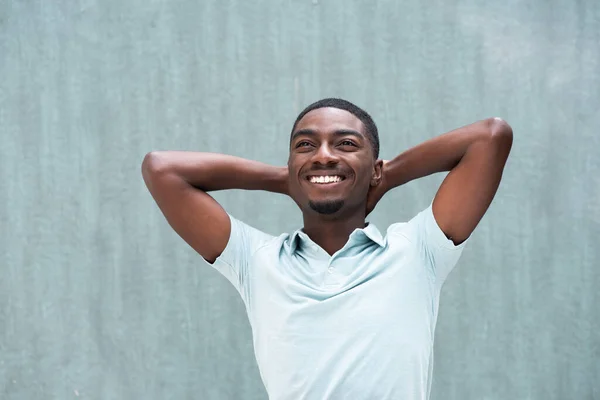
(253,236)
(408,228)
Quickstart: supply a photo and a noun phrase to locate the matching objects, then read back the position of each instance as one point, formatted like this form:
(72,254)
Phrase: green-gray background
(99,299)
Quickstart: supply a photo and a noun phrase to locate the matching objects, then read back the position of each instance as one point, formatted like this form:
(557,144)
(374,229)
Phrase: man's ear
(377,173)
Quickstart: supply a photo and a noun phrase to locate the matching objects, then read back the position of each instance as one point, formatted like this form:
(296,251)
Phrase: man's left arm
(475,155)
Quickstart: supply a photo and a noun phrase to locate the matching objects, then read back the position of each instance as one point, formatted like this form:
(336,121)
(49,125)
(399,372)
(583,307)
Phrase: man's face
(331,164)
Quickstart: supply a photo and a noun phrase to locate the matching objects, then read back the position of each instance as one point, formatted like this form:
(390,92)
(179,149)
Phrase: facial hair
(326,207)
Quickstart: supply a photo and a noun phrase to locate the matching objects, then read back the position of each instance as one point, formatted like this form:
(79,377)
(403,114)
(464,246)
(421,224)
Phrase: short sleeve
(440,253)
(234,263)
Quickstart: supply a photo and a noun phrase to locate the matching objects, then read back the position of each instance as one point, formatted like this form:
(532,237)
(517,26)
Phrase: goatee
(326,207)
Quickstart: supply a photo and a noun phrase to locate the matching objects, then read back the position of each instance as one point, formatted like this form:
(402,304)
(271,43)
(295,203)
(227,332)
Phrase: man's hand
(376,192)
(284,180)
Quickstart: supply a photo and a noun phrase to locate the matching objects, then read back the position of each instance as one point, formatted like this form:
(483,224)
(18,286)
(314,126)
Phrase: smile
(323,180)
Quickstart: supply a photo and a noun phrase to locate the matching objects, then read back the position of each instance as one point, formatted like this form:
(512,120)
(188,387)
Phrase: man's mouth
(325,179)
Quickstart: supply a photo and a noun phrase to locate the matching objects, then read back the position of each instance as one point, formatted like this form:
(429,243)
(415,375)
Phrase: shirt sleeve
(234,263)
(440,253)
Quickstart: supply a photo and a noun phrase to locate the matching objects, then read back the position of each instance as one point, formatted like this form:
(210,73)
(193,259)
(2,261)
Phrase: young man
(338,310)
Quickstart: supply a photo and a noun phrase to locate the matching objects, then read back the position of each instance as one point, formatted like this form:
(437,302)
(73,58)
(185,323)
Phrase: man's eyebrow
(339,132)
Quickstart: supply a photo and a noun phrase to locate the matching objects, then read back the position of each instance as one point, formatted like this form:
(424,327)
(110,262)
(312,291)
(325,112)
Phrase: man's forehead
(330,119)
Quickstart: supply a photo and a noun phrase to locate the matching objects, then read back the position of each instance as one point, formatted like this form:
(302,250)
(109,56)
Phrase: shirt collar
(369,232)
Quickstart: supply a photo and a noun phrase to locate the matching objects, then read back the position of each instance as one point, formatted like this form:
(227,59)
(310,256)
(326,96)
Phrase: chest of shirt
(372,288)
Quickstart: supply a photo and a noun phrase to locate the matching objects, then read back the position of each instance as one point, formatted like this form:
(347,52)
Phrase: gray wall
(99,299)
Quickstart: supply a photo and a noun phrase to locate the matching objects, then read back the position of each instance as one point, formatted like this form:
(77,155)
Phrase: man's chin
(326,207)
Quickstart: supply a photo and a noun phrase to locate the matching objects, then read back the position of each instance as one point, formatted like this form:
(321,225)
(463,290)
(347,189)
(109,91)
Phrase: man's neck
(331,234)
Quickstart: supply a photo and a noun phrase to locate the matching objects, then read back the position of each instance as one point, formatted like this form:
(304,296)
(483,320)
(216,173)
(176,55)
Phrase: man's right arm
(179,182)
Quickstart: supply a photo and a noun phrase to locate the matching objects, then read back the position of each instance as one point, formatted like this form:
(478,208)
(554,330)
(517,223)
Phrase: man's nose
(325,155)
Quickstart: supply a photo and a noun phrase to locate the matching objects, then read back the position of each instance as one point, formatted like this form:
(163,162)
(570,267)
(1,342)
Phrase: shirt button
(330,269)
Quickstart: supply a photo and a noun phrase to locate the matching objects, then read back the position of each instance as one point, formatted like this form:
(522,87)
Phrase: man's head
(333,162)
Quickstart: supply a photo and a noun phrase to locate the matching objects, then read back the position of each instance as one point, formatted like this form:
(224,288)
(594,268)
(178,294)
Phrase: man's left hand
(376,192)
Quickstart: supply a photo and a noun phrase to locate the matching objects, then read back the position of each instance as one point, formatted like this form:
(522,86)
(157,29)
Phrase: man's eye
(301,144)
(347,142)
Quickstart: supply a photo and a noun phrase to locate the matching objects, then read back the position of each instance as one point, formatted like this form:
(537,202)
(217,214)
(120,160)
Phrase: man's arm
(475,155)
(179,182)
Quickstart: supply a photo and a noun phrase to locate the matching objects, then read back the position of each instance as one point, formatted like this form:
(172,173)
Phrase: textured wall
(99,299)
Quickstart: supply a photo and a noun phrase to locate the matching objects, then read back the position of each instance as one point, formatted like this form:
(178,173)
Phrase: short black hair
(358,112)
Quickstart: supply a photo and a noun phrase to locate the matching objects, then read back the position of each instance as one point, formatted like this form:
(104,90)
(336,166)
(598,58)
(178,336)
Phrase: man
(338,310)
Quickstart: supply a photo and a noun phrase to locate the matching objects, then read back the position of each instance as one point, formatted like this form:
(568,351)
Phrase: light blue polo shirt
(356,325)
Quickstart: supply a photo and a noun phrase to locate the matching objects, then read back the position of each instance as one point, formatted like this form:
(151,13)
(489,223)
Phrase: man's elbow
(501,133)
(500,128)
(154,163)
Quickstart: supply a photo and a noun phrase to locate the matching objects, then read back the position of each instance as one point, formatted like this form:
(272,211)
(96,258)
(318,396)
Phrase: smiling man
(338,310)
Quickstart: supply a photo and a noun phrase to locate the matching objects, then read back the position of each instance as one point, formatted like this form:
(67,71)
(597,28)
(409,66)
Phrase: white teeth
(325,179)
